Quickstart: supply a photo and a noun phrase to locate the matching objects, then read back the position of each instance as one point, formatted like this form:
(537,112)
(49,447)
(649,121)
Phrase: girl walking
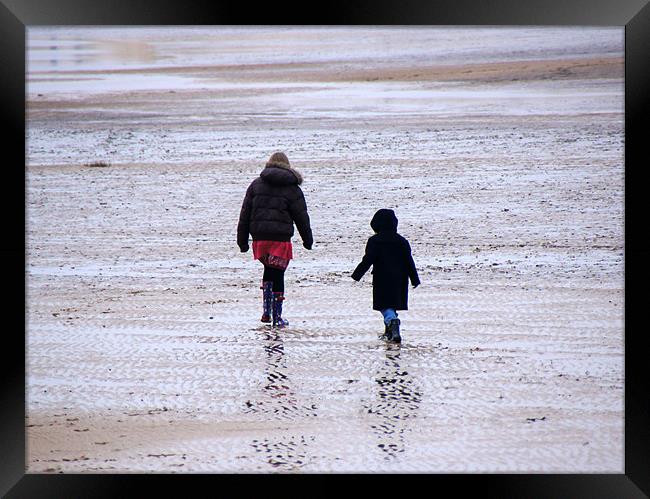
(273,202)
(392,267)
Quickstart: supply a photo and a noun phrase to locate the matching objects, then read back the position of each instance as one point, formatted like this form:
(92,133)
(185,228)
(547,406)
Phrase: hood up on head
(384,220)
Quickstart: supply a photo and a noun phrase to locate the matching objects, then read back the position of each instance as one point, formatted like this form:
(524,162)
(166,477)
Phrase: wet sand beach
(501,152)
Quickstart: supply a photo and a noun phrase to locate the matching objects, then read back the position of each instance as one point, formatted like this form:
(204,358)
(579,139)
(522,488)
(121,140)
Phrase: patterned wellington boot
(278,321)
(267,300)
(393,328)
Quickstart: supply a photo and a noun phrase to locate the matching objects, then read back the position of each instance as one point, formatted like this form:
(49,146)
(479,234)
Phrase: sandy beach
(501,152)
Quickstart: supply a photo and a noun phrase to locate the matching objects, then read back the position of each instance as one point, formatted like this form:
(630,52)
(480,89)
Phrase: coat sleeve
(243,225)
(410,265)
(367,260)
(299,214)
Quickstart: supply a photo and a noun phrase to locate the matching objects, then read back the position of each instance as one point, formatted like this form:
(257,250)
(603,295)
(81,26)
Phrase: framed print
(381,242)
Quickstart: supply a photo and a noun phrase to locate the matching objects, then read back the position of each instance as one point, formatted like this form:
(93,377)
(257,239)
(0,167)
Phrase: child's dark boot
(278,321)
(393,328)
(387,334)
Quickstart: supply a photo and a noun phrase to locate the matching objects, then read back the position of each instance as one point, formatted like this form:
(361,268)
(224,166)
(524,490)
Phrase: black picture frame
(634,15)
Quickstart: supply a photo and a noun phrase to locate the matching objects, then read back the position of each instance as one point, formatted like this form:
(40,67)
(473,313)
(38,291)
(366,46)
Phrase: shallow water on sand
(144,346)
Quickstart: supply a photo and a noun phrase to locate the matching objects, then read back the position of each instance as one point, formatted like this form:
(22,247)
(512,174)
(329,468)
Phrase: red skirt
(274,254)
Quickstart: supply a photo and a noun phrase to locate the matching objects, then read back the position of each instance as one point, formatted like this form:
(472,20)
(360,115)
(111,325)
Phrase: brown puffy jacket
(273,202)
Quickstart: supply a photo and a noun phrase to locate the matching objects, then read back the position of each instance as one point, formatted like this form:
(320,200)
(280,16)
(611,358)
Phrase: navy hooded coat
(389,254)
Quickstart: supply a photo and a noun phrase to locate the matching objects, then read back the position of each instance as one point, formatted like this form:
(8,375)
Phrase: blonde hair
(278,158)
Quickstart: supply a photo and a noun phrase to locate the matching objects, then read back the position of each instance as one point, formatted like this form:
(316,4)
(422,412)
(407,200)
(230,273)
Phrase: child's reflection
(397,402)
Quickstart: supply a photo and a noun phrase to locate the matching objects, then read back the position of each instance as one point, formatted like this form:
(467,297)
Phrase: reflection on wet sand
(65,54)
(126,51)
(501,148)
(397,401)
(278,401)
(284,453)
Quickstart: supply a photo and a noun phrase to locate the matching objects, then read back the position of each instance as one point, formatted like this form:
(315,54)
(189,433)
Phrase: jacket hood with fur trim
(277,173)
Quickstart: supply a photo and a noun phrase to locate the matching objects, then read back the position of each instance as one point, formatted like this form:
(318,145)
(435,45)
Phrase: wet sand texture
(501,151)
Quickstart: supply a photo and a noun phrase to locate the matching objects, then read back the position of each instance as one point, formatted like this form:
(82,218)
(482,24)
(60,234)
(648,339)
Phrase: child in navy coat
(389,254)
